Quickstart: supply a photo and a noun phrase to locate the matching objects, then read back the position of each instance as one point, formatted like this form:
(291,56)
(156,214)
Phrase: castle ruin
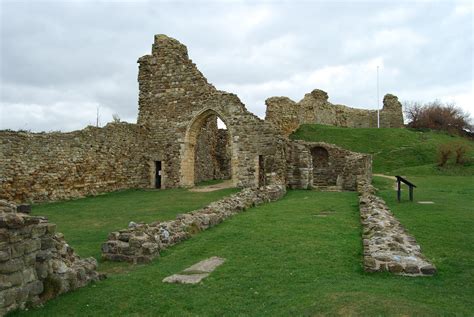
(176,141)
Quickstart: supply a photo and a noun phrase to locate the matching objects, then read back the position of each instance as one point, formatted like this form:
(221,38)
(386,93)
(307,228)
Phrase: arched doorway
(208,153)
(322,170)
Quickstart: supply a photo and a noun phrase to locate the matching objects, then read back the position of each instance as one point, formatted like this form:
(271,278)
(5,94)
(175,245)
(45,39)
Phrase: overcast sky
(60,60)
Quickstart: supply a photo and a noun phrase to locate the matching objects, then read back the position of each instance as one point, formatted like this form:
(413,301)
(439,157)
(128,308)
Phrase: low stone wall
(387,245)
(140,243)
(36,263)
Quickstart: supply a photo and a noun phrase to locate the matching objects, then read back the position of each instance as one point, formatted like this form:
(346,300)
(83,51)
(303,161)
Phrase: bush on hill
(437,116)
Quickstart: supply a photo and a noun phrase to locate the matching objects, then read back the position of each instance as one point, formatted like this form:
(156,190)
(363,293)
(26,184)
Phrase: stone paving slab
(205,266)
(196,272)
(185,278)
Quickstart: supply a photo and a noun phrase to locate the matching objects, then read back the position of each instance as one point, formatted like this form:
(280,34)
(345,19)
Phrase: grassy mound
(403,151)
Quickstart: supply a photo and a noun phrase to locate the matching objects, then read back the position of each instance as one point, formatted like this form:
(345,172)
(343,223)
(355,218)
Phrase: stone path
(211,188)
(195,273)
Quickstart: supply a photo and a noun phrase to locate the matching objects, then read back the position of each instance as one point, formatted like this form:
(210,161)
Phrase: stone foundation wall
(387,245)
(36,263)
(287,115)
(53,166)
(344,170)
(141,243)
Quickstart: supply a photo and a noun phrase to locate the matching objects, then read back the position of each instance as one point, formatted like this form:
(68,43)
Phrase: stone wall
(387,245)
(212,153)
(177,127)
(36,263)
(52,166)
(141,243)
(287,115)
(176,101)
(341,169)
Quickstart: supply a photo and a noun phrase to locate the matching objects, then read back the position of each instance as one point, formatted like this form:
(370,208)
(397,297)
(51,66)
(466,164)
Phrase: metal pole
(378,104)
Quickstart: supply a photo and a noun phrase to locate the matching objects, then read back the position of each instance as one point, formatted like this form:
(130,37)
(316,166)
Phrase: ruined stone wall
(52,166)
(141,243)
(223,155)
(387,245)
(344,170)
(176,126)
(287,115)
(212,153)
(176,100)
(36,263)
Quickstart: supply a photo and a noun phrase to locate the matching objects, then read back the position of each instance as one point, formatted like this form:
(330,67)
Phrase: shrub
(460,150)
(437,116)
(444,152)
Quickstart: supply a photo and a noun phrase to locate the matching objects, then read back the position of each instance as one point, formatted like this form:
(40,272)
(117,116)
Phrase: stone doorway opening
(208,154)
(158,174)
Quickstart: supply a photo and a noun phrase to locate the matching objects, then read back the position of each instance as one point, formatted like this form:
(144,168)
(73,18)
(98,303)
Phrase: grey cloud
(76,55)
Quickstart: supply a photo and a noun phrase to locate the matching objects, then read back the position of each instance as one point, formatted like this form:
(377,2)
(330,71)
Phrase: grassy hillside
(394,151)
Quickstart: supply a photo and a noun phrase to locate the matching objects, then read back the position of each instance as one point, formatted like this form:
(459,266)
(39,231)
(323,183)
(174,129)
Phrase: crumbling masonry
(176,141)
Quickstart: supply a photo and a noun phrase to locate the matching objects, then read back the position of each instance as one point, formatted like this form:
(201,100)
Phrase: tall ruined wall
(288,115)
(36,263)
(174,103)
(52,166)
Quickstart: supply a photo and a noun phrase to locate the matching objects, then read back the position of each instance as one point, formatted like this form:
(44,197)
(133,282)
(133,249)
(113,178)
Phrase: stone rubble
(142,242)
(36,263)
(387,245)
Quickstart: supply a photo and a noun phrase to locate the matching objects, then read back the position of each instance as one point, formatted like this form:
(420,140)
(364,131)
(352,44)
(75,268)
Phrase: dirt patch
(211,188)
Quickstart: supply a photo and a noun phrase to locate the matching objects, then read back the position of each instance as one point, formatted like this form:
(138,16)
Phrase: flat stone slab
(205,266)
(195,273)
(185,279)
(426,202)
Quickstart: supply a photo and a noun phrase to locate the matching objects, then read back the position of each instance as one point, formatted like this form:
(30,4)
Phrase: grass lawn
(301,256)
(87,222)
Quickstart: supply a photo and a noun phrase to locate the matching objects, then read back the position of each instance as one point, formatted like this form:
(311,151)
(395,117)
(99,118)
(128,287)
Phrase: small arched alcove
(320,157)
(322,171)
(208,153)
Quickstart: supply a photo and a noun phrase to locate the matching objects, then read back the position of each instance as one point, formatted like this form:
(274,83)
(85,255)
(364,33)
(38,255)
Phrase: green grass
(87,222)
(394,150)
(298,256)
(283,259)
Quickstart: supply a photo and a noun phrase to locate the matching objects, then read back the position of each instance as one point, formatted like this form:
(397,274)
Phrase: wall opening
(261,171)
(158,174)
(320,157)
(207,150)
(322,171)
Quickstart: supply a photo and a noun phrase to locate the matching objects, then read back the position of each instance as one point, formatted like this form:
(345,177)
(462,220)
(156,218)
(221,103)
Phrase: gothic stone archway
(187,177)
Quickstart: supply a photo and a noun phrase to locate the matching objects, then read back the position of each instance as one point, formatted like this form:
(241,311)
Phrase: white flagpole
(378,104)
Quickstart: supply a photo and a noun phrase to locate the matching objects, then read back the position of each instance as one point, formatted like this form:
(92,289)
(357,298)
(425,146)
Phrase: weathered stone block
(11,266)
